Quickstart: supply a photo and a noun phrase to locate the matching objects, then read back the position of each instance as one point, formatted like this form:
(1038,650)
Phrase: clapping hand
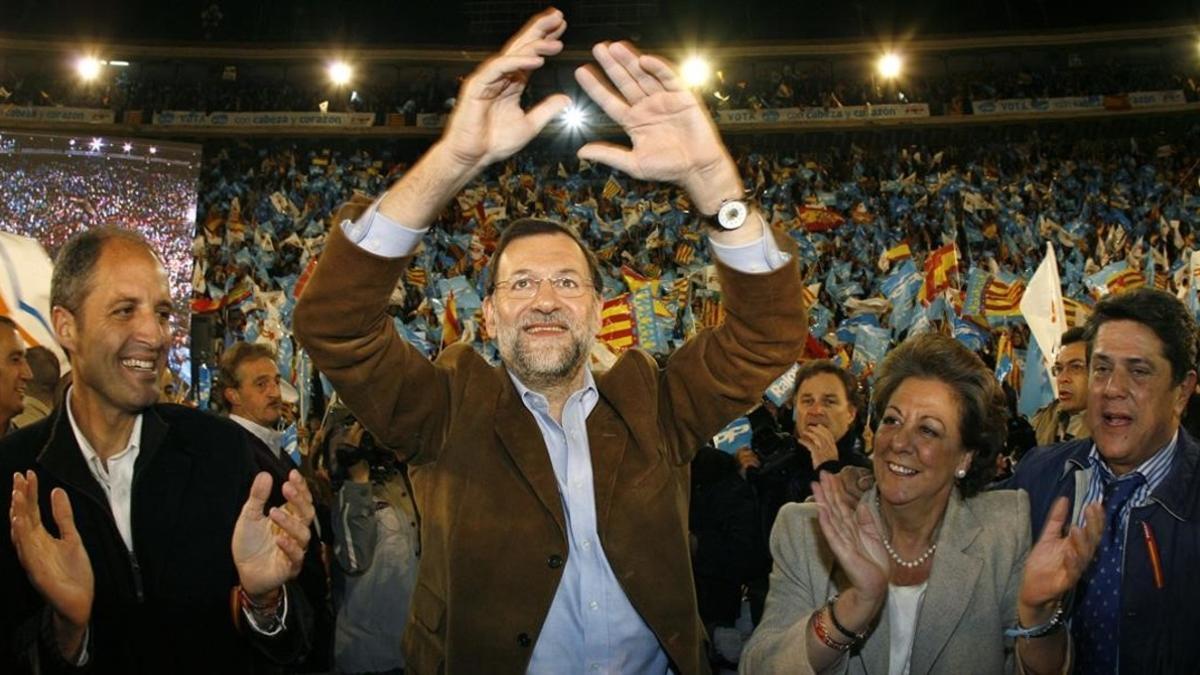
(1056,562)
(853,534)
(59,568)
(268,550)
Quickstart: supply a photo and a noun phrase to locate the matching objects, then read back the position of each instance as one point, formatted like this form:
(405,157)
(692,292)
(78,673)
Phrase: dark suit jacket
(1158,625)
(493,530)
(166,608)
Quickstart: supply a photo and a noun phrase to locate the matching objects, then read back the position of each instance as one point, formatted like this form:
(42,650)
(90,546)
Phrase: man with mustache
(15,374)
(1135,610)
(553,500)
(1066,417)
(249,381)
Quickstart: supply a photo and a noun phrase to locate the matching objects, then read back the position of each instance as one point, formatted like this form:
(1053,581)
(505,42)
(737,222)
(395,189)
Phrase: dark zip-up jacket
(1159,625)
(165,607)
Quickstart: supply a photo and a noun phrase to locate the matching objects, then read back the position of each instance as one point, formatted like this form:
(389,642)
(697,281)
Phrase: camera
(775,447)
(348,449)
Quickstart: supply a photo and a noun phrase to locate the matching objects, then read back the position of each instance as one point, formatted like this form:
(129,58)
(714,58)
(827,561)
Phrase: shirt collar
(534,400)
(273,438)
(1154,469)
(89,453)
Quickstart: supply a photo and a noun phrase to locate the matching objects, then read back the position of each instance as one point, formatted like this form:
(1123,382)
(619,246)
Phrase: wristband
(823,634)
(1051,626)
(855,638)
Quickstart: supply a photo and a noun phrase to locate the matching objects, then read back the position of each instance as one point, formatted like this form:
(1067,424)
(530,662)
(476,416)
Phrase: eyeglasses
(524,287)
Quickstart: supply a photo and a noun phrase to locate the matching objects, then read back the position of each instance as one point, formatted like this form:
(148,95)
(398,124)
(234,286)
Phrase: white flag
(25,271)
(1042,306)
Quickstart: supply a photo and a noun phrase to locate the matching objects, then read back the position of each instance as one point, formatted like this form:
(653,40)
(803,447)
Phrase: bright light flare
(88,68)
(96,144)
(574,117)
(340,73)
(127,147)
(696,71)
(889,65)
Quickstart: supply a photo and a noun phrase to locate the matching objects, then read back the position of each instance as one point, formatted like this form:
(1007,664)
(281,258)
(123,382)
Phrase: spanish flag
(940,268)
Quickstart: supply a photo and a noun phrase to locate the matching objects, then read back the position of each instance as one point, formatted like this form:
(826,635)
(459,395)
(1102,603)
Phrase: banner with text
(181,118)
(35,113)
(1026,106)
(853,113)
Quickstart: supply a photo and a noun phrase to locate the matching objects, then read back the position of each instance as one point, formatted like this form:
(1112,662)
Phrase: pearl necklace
(908,564)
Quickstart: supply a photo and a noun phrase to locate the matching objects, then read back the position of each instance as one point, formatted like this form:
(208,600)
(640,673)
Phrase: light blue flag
(735,436)
(1036,390)
(870,345)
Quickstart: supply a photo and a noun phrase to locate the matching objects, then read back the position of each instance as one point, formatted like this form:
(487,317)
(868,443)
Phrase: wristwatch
(732,214)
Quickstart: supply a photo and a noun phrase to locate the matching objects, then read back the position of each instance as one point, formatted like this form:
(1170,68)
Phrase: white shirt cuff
(758,257)
(375,233)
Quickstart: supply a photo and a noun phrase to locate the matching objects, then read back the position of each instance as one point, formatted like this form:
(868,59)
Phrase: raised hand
(674,137)
(854,536)
(1056,562)
(268,550)
(59,568)
(488,123)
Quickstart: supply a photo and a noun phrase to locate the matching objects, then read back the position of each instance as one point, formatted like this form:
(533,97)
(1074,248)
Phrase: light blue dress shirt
(591,627)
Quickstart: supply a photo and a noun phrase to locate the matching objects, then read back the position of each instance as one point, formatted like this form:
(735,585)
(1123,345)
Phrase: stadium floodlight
(340,73)
(696,71)
(88,68)
(889,65)
(574,117)
(96,144)
(127,147)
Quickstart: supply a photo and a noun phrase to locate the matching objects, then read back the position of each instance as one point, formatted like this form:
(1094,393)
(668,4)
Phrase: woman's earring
(960,474)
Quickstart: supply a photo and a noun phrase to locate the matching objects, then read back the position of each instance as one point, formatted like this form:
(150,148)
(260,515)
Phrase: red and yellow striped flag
(616,324)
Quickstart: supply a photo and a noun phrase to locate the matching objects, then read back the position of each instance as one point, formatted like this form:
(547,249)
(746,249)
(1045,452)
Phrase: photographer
(376,544)
(780,466)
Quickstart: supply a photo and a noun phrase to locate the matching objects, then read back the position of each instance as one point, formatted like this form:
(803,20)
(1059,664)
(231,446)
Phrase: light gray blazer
(969,601)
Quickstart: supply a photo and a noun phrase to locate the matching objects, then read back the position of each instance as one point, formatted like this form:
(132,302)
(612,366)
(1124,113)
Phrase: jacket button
(523,640)
(555,561)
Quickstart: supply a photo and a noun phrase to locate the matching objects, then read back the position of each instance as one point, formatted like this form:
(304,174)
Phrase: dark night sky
(447,22)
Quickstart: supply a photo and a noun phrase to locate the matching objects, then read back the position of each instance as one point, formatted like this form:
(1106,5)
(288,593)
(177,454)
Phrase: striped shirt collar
(1154,470)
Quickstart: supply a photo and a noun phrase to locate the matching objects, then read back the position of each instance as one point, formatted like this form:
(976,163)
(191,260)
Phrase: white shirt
(903,606)
(116,475)
(272,438)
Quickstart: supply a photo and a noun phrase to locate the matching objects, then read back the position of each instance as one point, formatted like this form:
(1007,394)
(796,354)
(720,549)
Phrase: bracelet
(1051,626)
(258,608)
(823,635)
(855,638)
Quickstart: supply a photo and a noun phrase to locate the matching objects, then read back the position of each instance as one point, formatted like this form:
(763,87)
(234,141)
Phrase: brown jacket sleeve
(733,364)
(342,320)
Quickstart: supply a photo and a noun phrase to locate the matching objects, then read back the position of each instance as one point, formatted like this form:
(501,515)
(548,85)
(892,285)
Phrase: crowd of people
(736,86)
(52,196)
(505,482)
(866,220)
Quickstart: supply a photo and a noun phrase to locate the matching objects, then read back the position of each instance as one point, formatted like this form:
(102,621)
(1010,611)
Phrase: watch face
(732,215)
